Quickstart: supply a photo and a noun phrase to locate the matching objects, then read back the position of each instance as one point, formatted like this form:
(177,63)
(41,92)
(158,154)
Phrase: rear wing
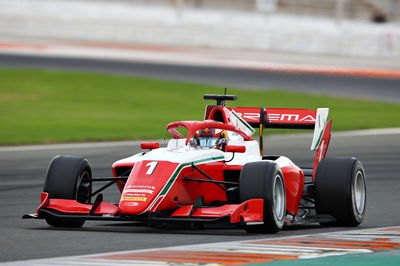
(292,119)
(287,119)
(247,118)
(278,117)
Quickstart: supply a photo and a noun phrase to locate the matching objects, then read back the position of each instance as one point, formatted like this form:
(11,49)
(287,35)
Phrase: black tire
(68,177)
(340,190)
(264,180)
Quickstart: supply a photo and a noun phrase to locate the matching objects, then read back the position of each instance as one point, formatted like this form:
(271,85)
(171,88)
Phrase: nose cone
(148,181)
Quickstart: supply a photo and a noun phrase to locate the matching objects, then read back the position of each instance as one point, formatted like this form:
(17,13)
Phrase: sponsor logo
(279,117)
(134,198)
(291,117)
(134,190)
(132,203)
(142,187)
(134,195)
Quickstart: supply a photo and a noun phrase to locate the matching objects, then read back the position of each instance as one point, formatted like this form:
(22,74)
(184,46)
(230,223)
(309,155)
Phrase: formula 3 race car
(213,171)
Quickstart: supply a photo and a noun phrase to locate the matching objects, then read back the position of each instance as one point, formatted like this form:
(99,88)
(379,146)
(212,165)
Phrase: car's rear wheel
(264,180)
(340,190)
(68,177)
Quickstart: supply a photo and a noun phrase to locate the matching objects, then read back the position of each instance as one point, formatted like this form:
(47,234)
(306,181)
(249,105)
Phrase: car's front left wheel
(68,177)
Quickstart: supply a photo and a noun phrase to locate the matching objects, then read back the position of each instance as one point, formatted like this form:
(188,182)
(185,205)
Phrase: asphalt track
(385,89)
(23,170)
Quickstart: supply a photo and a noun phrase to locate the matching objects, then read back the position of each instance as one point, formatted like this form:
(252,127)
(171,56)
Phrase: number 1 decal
(151,166)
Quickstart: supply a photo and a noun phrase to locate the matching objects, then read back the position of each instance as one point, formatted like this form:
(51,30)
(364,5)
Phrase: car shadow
(213,229)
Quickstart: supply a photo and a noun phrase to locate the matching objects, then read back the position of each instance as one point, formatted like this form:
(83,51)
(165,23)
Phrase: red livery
(213,171)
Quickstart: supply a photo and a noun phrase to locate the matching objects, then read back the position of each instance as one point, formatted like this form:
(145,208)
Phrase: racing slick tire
(264,180)
(68,177)
(340,190)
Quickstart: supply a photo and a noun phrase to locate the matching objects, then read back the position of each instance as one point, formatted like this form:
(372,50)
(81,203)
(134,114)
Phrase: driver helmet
(206,137)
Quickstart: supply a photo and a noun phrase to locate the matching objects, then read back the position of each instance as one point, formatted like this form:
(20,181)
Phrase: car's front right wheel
(264,180)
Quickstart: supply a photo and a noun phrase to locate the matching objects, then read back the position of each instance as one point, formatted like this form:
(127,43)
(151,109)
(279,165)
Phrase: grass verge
(38,106)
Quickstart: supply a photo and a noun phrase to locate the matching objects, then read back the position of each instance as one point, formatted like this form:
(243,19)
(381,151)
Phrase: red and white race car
(214,171)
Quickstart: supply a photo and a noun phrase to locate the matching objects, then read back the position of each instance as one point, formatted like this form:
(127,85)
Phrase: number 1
(151,166)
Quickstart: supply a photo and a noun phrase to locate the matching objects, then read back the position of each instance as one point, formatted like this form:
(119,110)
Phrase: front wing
(248,212)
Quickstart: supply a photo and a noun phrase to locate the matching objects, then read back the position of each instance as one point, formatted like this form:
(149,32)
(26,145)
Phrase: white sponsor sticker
(134,190)
(142,186)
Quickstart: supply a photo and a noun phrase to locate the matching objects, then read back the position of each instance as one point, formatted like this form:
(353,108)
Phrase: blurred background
(314,27)
(345,48)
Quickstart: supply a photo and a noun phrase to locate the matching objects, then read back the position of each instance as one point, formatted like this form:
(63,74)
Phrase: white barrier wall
(121,21)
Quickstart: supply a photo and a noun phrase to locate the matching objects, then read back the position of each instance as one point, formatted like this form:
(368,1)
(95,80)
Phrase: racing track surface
(385,89)
(23,170)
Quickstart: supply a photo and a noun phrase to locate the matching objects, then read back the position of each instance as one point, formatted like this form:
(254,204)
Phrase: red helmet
(207,132)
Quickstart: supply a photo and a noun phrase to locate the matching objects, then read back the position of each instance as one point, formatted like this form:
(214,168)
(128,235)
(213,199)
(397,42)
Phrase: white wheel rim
(279,198)
(359,192)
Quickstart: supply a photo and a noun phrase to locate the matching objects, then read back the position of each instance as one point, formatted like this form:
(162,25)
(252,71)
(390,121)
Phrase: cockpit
(210,138)
(206,134)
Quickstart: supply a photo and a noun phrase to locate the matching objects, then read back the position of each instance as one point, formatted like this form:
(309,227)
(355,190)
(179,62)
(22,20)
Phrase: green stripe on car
(173,177)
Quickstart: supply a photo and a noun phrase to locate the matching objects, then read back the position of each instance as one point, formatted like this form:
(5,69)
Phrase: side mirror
(233,148)
(149,145)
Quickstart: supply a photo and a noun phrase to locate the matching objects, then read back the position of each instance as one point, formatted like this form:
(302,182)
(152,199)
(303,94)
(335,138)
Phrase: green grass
(39,106)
